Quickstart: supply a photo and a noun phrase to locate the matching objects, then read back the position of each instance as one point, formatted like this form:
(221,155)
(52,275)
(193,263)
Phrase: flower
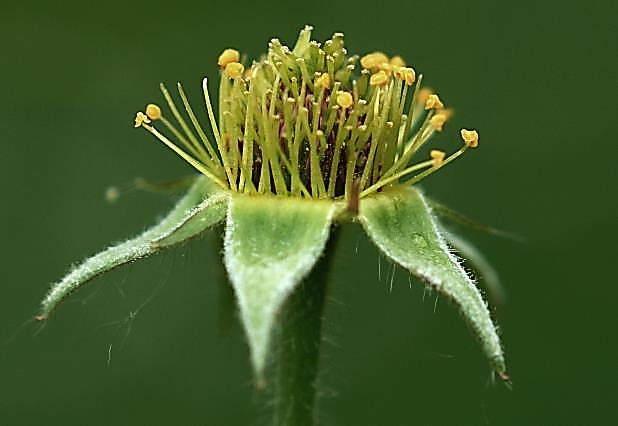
(305,138)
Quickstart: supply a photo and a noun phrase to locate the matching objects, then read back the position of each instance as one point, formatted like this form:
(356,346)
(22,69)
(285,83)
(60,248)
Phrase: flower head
(310,121)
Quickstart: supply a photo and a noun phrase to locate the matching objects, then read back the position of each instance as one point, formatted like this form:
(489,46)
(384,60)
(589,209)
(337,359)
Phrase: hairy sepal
(271,243)
(203,206)
(400,223)
(488,274)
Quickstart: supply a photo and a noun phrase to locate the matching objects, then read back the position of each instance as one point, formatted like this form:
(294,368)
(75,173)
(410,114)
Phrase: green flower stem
(299,345)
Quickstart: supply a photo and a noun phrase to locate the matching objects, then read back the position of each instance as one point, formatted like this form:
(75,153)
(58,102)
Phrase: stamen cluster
(311,122)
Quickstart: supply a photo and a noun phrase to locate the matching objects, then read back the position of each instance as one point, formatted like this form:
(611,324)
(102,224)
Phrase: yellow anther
(141,118)
(345,99)
(470,138)
(379,79)
(406,74)
(433,101)
(323,81)
(227,57)
(424,94)
(387,68)
(447,112)
(437,157)
(153,111)
(373,60)
(437,121)
(234,70)
(397,61)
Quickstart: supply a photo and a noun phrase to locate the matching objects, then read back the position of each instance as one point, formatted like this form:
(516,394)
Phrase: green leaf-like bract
(202,207)
(489,276)
(271,243)
(401,225)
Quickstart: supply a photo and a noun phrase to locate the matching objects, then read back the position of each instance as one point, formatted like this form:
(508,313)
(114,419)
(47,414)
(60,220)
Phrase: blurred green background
(149,344)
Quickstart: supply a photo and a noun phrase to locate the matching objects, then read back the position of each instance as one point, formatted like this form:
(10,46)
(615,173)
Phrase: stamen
(406,74)
(427,172)
(330,65)
(300,131)
(179,136)
(343,75)
(234,70)
(193,145)
(470,138)
(378,128)
(437,157)
(334,169)
(153,111)
(397,61)
(305,72)
(433,102)
(304,38)
(382,182)
(211,150)
(215,130)
(423,95)
(345,100)
(351,185)
(323,81)
(361,84)
(196,164)
(247,163)
(373,60)
(379,79)
(437,121)
(228,56)
(271,121)
(413,111)
(140,119)
(387,68)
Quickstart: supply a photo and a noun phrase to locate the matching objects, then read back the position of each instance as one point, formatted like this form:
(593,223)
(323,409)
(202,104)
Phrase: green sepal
(400,223)
(203,206)
(271,243)
(488,274)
